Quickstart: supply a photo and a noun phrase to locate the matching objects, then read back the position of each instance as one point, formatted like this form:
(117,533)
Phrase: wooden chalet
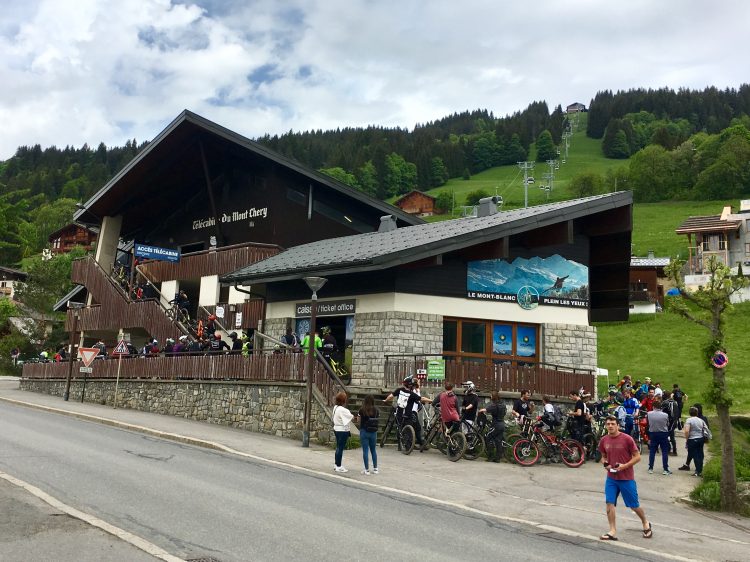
(416,203)
(71,235)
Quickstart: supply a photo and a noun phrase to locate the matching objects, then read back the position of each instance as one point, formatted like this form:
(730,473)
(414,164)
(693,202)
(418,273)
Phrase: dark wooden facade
(70,236)
(416,203)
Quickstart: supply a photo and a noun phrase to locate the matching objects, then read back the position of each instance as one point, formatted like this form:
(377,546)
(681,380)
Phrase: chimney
(651,254)
(487,206)
(745,206)
(387,224)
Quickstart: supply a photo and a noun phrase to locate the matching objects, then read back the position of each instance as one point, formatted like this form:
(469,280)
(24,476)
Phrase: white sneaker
(340,469)
(375,471)
(365,472)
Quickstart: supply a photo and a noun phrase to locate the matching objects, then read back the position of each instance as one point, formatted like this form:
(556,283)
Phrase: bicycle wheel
(455,446)
(589,446)
(525,452)
(386,431)
(475,445)
(572,453)
(343,374)
(407,439)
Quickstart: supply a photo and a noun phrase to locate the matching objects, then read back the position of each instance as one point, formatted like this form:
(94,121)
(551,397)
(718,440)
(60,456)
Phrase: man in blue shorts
(619,455)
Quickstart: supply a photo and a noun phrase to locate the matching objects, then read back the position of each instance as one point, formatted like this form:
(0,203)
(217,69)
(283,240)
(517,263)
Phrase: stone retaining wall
(378,334)
(273,408)
(570,345)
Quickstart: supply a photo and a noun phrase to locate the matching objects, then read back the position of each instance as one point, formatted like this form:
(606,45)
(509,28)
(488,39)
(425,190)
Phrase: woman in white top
(694,434)
(342,417)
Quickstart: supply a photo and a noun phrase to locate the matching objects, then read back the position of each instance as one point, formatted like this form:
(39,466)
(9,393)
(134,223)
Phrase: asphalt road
(201,504)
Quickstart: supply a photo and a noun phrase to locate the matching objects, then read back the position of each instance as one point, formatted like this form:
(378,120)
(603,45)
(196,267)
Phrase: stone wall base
(272,408)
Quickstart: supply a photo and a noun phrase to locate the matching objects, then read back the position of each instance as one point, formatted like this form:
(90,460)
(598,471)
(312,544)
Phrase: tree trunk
(728,485)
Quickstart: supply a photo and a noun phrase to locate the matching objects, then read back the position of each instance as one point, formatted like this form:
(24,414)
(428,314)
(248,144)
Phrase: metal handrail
(331,374)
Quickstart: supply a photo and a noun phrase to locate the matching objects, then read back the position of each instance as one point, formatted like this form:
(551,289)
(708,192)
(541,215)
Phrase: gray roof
(380,250)
(649,262)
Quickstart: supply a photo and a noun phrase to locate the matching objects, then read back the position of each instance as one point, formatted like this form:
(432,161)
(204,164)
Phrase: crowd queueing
(641,410)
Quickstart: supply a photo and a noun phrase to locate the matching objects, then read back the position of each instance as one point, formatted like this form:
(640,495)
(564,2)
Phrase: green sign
(436,370)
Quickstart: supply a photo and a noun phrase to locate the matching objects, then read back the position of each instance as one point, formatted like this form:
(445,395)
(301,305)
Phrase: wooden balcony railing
(115,310)
(258,366)
(539,378)
(209,262)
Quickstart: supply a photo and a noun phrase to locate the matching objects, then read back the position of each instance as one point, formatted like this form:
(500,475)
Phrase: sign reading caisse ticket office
(326,308)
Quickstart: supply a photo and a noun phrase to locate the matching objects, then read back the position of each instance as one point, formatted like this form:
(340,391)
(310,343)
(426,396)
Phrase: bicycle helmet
(409,380)
(183,338)
(325,330)
(469,387)
(170,340)
(233,335)
(212,317)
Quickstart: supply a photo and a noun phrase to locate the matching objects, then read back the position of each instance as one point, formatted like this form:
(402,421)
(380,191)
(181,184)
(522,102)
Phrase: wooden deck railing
(116,310)
(540,378)
(209,262)
(289,367)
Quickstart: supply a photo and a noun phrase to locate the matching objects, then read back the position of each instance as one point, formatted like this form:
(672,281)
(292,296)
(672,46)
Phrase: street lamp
(315,284)
(72,355)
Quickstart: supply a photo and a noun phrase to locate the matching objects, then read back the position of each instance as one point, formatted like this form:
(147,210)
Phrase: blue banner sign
(155,253)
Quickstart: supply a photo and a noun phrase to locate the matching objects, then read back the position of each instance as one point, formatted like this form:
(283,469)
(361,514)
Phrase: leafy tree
(545,148)
(616,179)
(651,174)
(367,178)
(708,307)
(473,197)
(439,173)
(485,152)
(586,184)
(47,282)
(444,202)
(728,174)
(400,175)
(341,175)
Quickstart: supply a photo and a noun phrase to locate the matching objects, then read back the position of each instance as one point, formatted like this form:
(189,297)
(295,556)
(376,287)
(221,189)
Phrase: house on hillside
(416,203)
(8,278)
(725,236)
(71,235)
(576,107)
(647,279)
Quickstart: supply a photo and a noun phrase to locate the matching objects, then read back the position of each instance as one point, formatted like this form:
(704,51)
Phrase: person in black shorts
(405,399)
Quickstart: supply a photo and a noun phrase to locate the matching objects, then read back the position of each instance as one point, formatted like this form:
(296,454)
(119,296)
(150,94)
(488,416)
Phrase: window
(706,246)
(722,242)
(485,341)
(747,248)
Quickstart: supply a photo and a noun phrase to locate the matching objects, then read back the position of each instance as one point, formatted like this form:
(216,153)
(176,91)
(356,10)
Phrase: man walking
(658,437)
(619,455)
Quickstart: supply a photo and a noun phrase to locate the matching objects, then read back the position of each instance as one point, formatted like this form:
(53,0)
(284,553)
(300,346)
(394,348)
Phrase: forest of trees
(682,145)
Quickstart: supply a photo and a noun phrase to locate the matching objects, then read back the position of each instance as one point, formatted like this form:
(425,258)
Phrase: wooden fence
(539,378)
(282,367)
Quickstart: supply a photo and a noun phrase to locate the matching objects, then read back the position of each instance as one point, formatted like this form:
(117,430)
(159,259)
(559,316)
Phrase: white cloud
(105,70)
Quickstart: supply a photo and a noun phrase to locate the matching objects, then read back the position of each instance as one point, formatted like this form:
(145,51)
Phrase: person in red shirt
(449,407)
(619,455)
(648,403)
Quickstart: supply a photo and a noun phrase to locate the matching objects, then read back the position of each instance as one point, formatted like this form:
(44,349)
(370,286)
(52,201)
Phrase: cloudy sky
(90,71)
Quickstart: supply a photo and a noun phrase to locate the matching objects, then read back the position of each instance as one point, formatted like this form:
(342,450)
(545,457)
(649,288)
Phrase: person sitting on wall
(290,339)
(216,344)
(210,328)
(236,343)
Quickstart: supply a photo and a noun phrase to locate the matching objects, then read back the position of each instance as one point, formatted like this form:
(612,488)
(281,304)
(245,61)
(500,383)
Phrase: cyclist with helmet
(330,346)
(210,327)
(169,348)
(497,409)
(470,403)
(236,343)
(216,344)
(406,398)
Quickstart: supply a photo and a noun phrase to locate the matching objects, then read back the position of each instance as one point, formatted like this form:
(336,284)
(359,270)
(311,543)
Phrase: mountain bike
(526,451)
(475,439)
(450,443)
(405,434)
(340,369)
(506,444)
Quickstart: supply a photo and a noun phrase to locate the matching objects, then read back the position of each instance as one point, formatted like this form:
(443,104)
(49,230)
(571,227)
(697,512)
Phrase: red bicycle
(526,451)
